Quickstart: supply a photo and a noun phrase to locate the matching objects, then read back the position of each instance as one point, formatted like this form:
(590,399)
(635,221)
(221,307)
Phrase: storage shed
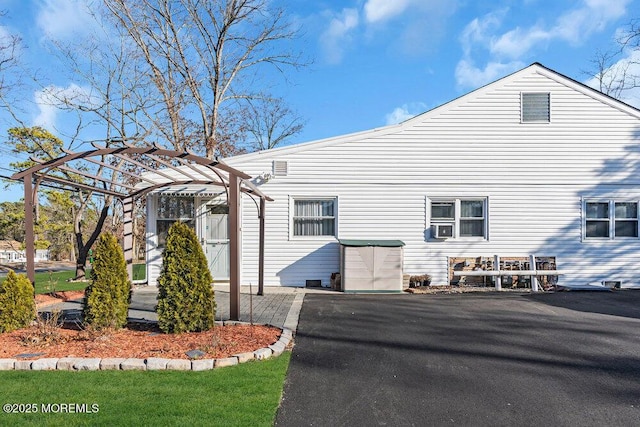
(371,265)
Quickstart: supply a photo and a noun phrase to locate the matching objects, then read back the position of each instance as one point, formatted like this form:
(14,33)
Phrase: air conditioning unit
(442,231)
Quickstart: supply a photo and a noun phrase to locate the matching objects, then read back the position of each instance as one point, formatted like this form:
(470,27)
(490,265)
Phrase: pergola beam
(213,172)
(94,177)
(79,185)
(120,171)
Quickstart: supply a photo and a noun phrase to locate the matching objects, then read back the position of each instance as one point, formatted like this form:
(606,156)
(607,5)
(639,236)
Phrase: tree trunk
(83,248)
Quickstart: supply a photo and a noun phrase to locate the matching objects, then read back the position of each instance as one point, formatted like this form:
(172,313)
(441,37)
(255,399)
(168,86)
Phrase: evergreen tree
(107,298)
(186,301)
(17,306)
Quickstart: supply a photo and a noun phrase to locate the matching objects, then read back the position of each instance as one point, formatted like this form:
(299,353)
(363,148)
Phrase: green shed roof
(371,242)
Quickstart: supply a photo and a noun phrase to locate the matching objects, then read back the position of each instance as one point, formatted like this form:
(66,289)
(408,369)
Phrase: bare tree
(9,48)
(617,70)
(270,121)
(109,95)
(203,56)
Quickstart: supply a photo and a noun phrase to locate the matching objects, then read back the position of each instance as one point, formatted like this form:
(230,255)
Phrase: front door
(216,239)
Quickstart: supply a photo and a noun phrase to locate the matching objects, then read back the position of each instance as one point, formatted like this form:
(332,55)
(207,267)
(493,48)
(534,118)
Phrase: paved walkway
(278,306)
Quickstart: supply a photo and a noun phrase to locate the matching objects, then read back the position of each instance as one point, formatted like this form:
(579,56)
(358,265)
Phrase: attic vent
(536,108)
(280,168)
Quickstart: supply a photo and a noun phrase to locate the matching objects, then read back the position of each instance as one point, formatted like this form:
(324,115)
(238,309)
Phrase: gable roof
(381,131)
(10,245)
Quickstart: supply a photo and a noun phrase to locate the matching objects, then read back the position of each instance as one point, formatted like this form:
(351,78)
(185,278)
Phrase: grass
(243,395)
(48,281)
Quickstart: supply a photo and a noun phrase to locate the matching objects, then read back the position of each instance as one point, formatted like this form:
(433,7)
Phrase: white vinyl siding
(610,219)
(536,107)
(534,179)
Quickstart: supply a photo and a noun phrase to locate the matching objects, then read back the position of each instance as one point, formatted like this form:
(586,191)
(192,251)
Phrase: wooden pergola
(170,167)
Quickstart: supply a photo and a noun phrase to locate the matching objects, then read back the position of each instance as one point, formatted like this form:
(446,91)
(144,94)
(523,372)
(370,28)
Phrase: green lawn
(50,281)
(243,395)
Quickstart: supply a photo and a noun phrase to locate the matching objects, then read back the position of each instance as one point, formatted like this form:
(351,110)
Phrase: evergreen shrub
(107,298)
(17,304)
(186,301)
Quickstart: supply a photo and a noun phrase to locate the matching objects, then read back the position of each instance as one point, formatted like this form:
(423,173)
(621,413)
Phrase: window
(314,217)
(536,108)
(597,219)
(170,210)
(468,216)
(610,219)
(471,218)
(443,210)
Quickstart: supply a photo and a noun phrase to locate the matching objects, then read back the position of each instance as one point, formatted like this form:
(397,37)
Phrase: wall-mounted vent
(313,283)
(280,168)
(612,284)
(536,108)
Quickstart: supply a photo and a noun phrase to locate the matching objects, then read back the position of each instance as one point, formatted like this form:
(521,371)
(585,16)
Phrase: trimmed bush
(17,305)
(106,301)
(185,293)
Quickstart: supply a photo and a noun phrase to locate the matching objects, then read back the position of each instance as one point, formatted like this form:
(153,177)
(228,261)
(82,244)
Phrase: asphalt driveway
(473,359)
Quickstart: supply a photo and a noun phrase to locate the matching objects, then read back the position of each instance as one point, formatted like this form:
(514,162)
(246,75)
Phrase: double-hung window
(467,216)
(172,209)
(610,219)
(314,217)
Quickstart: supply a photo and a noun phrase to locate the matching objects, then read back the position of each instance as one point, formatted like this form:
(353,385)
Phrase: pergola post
(127,205)
(261,215)
(234,247)
(30,240)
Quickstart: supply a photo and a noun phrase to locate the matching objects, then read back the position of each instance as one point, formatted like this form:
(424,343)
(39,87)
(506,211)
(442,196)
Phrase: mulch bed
(50,339)
(137,341)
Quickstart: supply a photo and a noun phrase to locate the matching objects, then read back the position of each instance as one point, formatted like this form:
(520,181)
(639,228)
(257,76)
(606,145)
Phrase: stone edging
(149,364)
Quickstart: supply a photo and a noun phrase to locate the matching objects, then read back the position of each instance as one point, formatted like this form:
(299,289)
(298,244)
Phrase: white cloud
(574,26)
(517,42)
(506,50)
(417,26)
(48,99)
(381,10)
(335,38)
(63,19)
(468,75)
(478,31)
(405,112)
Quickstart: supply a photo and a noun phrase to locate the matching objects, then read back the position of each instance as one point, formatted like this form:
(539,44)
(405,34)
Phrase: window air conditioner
(442,231)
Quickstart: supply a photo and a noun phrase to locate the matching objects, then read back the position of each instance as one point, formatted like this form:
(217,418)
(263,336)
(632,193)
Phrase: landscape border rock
(151,363)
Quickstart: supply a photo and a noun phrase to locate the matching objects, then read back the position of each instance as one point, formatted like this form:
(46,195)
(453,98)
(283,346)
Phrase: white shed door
(216,240)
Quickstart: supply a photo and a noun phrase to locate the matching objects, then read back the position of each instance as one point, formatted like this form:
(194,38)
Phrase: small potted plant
(419,280)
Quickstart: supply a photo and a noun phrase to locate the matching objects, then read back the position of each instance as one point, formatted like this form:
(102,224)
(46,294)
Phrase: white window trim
(534,122)
(456,222)
(612,219)
(292,200)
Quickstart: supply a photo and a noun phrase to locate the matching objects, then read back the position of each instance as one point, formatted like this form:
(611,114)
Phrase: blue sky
(375,62)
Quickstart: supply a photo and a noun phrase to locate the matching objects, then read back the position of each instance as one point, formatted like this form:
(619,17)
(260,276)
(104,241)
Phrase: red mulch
(43,300)
(136,340)
(139,341)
